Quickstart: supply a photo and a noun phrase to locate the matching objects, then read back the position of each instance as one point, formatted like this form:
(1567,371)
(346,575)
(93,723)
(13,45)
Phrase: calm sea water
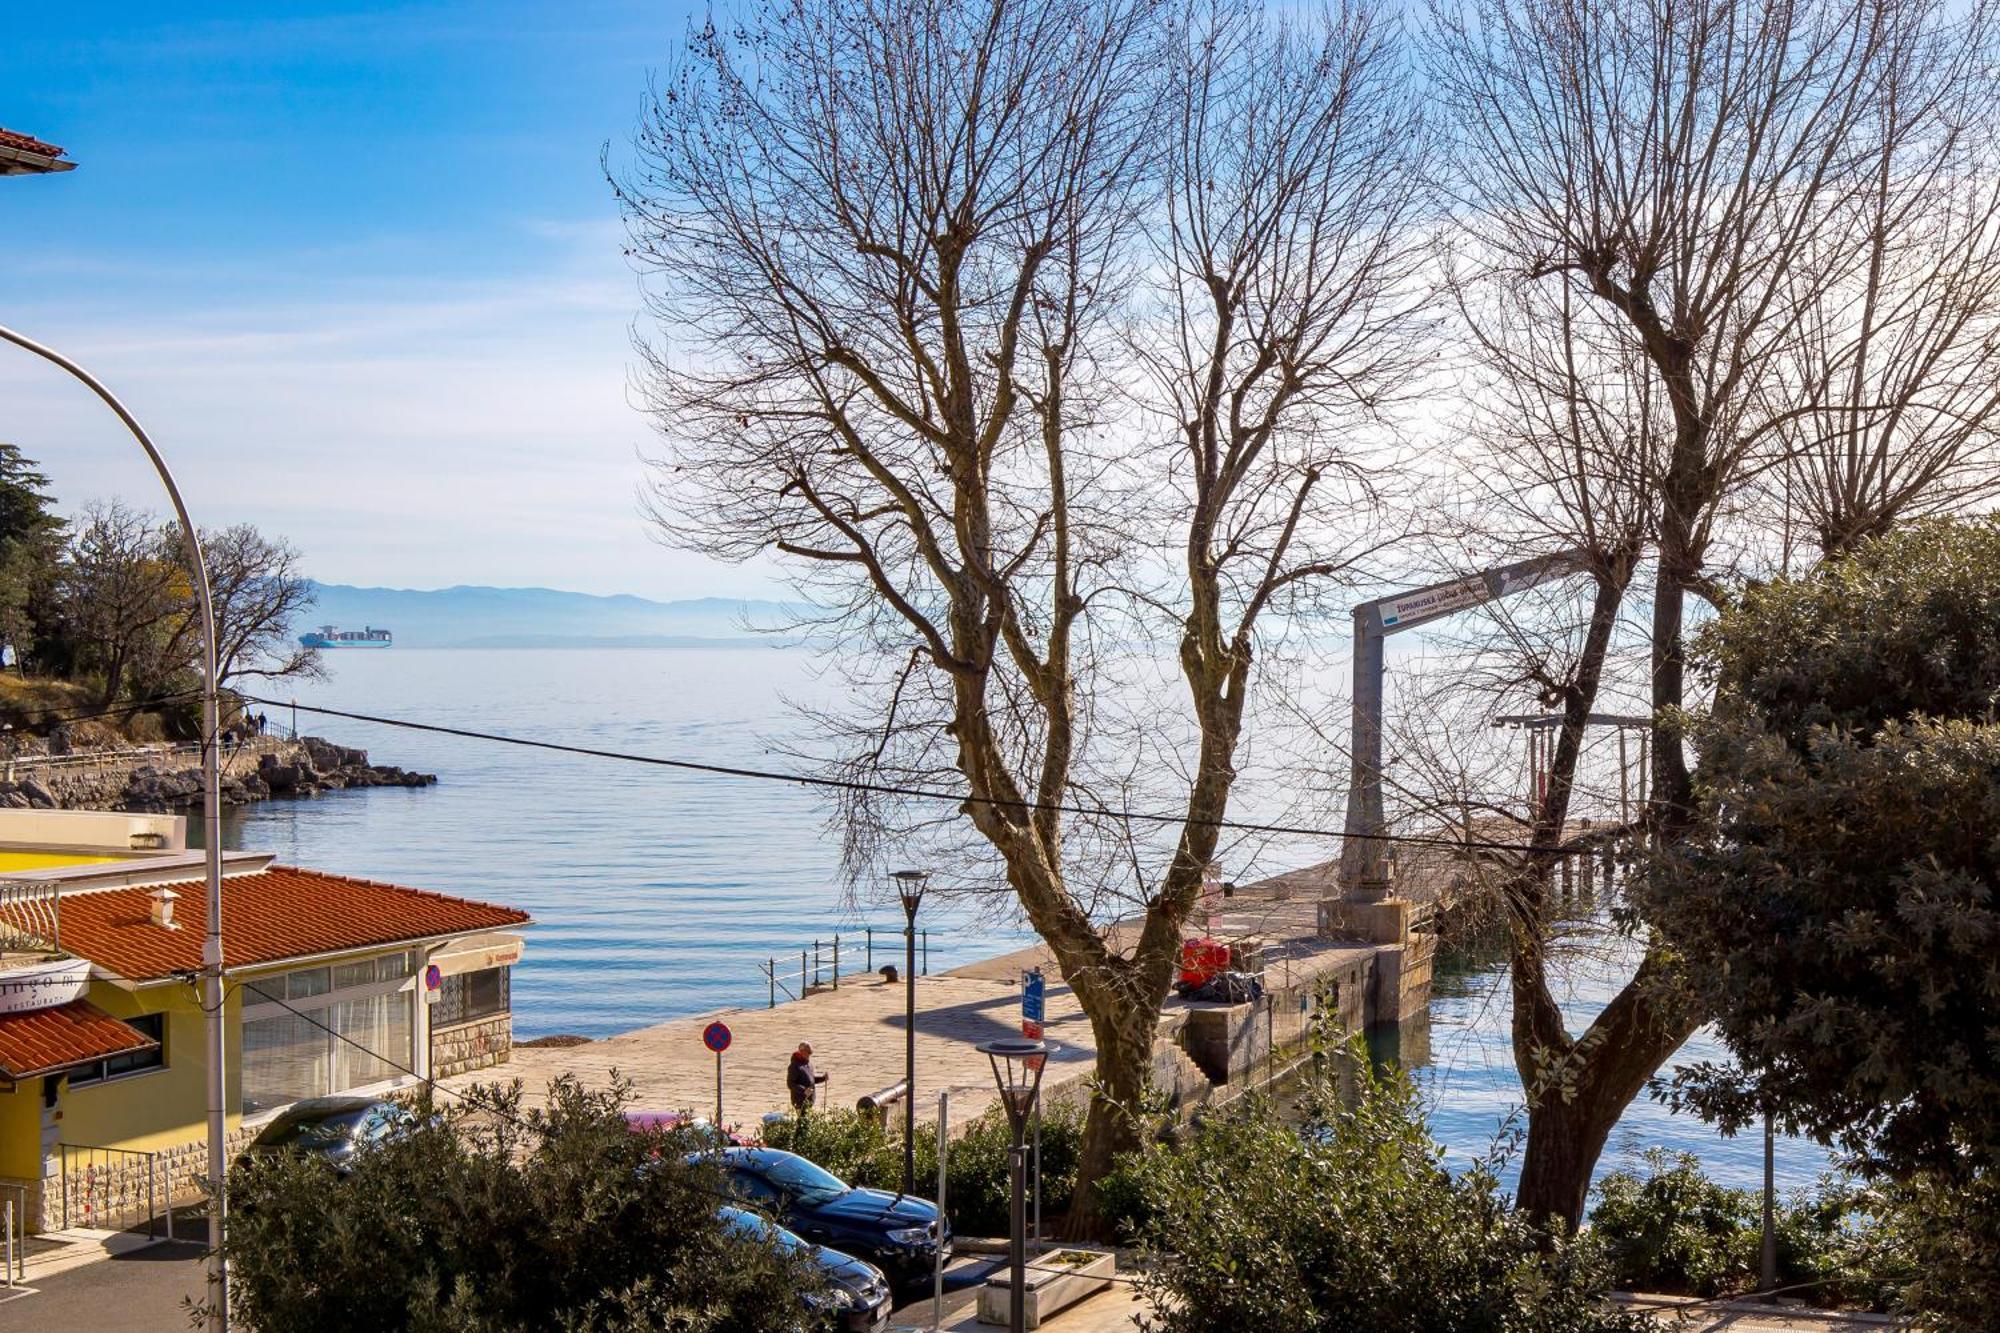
(658,894)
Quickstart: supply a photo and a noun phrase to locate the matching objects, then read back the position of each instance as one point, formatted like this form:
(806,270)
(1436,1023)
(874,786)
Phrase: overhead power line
(893,789)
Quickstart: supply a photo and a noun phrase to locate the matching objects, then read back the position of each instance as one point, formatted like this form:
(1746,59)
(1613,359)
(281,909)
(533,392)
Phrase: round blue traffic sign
(716,1037)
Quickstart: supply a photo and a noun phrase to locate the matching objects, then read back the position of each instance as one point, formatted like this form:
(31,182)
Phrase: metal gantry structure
(1364,860)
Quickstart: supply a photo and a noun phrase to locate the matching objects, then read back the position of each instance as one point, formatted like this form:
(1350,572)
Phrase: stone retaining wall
(465,1047)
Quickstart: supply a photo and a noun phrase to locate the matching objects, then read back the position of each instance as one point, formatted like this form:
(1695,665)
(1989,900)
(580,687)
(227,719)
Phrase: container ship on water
(330,636)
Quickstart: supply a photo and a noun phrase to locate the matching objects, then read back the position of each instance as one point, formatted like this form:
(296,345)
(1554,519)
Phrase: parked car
(856,1292)
(898,1233)
(336,1128)
(696,1126)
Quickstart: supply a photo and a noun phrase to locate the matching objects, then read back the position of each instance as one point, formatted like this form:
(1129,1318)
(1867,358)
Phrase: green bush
(1350,1223)
(862,1151)
(1674,1229)
(504,1221)
(1842,1243)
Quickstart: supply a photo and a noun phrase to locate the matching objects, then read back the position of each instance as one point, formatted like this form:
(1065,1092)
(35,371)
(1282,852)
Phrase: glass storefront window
(353,1027)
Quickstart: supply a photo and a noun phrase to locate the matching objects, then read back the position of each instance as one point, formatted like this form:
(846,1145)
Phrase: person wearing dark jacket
(802,1079)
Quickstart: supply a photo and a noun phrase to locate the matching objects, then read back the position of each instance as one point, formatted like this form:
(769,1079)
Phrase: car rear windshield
(803,1180)
(317,1131)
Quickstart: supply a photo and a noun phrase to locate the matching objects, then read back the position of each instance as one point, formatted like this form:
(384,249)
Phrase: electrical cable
(915,793)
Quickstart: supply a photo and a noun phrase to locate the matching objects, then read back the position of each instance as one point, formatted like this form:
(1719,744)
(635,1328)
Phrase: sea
(659,893)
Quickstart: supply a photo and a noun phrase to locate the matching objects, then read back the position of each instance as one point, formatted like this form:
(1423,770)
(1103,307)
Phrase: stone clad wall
(465,1047)
(110,1190)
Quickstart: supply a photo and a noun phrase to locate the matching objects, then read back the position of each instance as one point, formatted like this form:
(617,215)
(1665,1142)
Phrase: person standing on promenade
(802,1079)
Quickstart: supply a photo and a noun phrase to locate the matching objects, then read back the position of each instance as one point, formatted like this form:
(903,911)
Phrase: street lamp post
(1017,1071)
(211,823)
(910,888)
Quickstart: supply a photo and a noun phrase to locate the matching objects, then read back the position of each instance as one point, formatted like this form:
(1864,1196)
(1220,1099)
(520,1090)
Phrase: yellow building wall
(162,1108)
(21,1131)
(159,1108)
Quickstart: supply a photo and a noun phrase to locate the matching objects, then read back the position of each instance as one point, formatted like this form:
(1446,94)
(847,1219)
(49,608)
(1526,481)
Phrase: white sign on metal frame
(1435,601)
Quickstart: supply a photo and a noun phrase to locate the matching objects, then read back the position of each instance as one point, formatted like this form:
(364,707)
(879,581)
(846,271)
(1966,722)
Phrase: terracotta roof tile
(27,143)
(42,1041)
(278,913)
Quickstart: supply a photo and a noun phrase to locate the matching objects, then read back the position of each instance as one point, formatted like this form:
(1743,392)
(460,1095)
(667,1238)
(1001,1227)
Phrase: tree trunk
(1565,1139)
(1124,1029)
(1606,1068)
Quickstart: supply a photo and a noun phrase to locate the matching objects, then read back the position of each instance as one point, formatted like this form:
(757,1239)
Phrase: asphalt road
(141,1292)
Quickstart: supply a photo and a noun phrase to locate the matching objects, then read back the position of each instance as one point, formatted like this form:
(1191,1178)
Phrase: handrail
(97,1183)
(823,958)
(31,915)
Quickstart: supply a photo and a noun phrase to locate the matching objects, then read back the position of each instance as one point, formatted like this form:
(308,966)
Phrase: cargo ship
(330,636)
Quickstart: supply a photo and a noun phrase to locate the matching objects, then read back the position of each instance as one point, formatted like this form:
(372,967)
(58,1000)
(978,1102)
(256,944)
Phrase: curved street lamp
(1018,1063)
(211,790)
(910,889)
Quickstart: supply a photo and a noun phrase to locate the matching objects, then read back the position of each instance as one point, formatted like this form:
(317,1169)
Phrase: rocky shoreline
(170,781)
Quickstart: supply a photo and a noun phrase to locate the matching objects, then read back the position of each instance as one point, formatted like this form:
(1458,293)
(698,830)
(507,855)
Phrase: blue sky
(357,269)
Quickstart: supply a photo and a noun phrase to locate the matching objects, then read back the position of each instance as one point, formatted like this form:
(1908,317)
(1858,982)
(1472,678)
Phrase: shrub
(1841,1243)
(1350,1223)
(504,1221)
(861,1150)
(1674,1229)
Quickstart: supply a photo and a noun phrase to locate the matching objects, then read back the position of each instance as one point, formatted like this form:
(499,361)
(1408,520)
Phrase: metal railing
(31,915)
(13,1233)
(823,960)
(115,1189)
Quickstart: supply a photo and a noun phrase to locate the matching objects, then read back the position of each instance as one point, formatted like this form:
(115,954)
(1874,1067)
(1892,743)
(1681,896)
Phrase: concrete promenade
(857,1029)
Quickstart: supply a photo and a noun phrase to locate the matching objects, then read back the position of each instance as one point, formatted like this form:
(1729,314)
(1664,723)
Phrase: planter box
(1056,1281)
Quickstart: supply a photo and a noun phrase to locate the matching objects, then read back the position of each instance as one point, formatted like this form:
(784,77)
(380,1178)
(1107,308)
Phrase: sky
(357,269)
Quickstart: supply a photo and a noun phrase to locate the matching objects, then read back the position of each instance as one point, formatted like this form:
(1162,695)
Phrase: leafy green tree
(1351,1222)
(30,538)
(1837,912)
(1836,909)
(493,1218)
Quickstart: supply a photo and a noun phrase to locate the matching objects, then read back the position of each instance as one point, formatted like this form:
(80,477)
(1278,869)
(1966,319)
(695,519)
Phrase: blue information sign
(1033,997)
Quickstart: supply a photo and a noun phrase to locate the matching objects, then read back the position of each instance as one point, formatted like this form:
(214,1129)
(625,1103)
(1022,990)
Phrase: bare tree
(1711,217)
(260,592)
(1025,333)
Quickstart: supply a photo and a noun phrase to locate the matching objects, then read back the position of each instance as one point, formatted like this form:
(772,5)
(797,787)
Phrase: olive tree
(1021,334)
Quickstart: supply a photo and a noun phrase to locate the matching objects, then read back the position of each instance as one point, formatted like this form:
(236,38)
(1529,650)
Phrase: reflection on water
(1463,1061)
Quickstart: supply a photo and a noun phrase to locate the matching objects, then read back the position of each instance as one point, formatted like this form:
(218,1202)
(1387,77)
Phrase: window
(471,995)
(131,1062)
(322,1030)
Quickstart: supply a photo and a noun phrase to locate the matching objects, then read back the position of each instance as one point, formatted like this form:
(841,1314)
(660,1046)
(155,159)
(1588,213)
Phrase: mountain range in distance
(476,617)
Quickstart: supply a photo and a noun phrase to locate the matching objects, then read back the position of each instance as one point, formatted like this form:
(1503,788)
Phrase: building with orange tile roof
(334,984)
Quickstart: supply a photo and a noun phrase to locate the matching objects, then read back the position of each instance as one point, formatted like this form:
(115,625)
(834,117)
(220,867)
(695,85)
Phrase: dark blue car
(897,1233)
(856,1293)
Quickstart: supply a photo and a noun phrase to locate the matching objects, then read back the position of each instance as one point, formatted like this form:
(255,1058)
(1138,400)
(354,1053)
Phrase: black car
(856,1292)
(334,1127)
(898,1233)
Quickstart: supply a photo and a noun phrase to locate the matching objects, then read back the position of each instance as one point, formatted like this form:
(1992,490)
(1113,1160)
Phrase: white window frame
(255,1009)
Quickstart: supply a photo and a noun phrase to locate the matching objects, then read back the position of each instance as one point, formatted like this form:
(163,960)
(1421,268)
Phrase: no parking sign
(716,1037)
